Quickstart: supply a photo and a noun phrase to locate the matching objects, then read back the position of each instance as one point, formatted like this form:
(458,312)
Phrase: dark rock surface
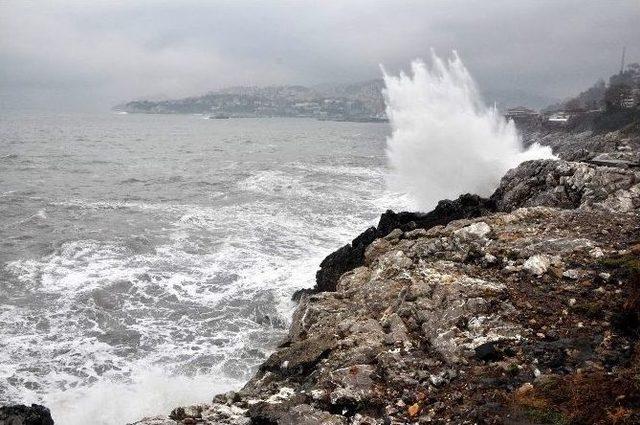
(550,183)
(351,255)
(20,414)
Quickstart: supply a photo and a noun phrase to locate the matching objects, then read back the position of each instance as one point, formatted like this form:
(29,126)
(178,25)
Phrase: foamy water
(148,261)
(445,140)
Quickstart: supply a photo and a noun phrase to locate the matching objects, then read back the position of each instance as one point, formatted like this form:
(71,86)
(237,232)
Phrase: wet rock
(300,356)
(20,414)
(351,255)
(341,261)
(564,184)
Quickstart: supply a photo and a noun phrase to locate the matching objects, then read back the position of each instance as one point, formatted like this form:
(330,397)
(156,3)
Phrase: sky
(91,55)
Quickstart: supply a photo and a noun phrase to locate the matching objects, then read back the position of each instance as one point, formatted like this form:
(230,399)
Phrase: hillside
(352,102)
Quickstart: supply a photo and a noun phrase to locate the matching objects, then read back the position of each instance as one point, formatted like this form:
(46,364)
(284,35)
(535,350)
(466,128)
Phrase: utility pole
(624,48)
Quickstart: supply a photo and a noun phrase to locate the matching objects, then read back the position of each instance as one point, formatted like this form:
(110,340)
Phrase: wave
(445,141)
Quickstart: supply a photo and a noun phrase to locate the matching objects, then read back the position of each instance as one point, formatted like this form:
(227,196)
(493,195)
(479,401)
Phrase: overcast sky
(93,54)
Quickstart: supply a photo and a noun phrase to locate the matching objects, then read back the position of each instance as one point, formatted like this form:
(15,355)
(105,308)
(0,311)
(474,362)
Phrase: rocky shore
(523,308)
(519,309)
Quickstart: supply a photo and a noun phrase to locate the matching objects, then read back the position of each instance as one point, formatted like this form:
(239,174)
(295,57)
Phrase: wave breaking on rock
(445,141)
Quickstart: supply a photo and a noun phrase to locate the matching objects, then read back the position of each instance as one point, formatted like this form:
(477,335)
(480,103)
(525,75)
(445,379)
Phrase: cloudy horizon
(87,56)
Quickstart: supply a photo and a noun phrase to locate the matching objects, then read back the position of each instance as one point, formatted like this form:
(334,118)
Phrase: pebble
(572,274)
(596,253)
(605,276)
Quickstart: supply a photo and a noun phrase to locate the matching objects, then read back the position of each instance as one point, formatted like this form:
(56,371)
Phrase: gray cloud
(94,54)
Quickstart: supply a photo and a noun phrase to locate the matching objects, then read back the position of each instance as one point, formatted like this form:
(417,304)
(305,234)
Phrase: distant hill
(353,102)
(505,99)
(362,101)
(622,92)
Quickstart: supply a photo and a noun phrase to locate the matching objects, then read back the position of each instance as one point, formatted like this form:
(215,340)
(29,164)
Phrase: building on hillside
(630,99)
(523,116)
(521,112)
(559,118)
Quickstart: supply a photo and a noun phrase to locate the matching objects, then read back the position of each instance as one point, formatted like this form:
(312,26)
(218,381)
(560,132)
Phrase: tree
(614,95)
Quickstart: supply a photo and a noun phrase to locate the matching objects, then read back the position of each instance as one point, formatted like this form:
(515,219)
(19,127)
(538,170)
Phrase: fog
(92,55)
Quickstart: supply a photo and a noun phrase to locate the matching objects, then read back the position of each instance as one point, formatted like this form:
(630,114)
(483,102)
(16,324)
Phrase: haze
(92,55)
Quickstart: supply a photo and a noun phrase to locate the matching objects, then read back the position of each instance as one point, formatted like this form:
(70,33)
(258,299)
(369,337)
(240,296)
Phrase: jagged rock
(550,183)
(564,184)
(351,255)
(424,324)
(20,414)
(465,320)
(473,231)
(537,264)
(300,356)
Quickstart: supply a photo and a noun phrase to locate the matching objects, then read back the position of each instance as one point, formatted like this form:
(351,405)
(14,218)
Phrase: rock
(489,258)
(565,184)
(473,231)
(415,234)
(394,235)
(537,264)
(341,261)
(182,413)
(413,410)
(302,414)
(20,414)
(397,334)
(596,253)
(354,384)
(412,322)
(573,274)
(488,352)
(351,255)
(300,356)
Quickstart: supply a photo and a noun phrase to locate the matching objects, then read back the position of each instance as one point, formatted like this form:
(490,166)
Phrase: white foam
(445,141)
(126,324)
(149,392)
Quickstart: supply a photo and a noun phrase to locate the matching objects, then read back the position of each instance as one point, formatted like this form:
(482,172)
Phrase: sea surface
(149,260)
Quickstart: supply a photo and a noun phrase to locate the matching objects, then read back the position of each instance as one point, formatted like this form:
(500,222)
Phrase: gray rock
(20,414)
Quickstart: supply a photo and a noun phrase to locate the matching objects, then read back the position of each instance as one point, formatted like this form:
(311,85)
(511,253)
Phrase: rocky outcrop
(586,145)
(551,183)
(351,255)
(520,309)
(473,322)
(20,414)
(565,184)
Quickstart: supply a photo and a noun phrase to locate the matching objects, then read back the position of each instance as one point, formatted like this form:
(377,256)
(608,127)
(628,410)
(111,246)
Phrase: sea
(148,261)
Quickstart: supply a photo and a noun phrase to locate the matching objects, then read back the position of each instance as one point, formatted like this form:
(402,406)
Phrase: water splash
(445,140)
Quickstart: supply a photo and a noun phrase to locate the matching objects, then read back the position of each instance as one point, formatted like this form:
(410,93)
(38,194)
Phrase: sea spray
(445,141)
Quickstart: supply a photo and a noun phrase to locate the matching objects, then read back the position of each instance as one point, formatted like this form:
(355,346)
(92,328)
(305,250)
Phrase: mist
(80,56)
(445,140)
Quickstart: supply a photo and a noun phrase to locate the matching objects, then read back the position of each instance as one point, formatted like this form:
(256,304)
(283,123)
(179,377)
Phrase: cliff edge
(519,309)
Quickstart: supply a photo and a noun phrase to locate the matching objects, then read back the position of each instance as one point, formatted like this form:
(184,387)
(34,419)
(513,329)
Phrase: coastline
(422,318)
(482,310)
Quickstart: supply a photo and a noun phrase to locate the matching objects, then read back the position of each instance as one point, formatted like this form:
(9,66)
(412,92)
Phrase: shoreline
(378,340)
(371,342)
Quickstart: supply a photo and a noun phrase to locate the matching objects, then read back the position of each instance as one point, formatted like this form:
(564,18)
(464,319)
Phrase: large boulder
(19,414)
(351,255)
(563,184)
